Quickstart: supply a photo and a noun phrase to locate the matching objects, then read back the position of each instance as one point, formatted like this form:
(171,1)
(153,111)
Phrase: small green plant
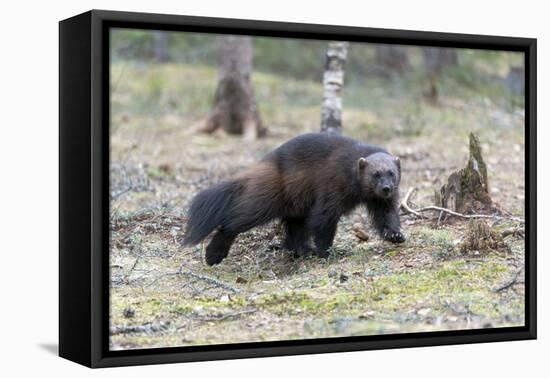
(442,242)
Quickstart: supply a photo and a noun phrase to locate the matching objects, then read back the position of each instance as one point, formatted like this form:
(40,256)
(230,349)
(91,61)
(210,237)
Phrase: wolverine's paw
(306,250)
(214,258)
(324,254)
(275,246)
(394,236)
(299,250)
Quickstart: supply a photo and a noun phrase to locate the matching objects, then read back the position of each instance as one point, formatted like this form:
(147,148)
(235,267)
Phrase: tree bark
(392,58)
(333,81)
(160,46)
(515,80)
(467,190)
(435,59)
(235,109)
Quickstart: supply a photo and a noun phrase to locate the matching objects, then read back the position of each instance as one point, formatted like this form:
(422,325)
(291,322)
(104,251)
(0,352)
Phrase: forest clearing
(163,294)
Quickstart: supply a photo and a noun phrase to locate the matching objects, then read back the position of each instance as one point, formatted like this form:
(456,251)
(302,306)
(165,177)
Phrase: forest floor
(163,294)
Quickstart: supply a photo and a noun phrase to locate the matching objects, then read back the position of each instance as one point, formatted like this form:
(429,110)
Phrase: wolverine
(307,183)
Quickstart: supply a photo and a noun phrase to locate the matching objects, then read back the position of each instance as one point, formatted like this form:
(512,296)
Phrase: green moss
(385,286)
(441,242)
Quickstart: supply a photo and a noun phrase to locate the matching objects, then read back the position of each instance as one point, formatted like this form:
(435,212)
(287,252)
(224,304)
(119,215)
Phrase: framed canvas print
(234,188)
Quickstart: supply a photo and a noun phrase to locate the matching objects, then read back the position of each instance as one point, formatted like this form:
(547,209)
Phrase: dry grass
(164,295)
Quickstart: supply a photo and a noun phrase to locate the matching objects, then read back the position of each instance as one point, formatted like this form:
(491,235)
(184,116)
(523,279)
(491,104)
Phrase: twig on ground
(148,328)
(417,212)
(120,193)
(210,280)
(510,283)
(221,317)
(466,216)
(517,231)
(439,218)
(161,277)
(126,278)
(405,203)
(211,283)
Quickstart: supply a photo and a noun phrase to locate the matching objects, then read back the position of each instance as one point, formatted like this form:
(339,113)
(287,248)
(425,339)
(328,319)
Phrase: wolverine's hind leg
(296,236)
(322,224)
(218,248)
(323,236)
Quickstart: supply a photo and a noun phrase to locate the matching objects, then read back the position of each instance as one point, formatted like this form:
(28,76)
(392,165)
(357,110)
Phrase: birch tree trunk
(333,81)
(235,109)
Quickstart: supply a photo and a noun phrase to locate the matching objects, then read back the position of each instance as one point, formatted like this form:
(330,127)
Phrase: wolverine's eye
(391,173)
(376,174)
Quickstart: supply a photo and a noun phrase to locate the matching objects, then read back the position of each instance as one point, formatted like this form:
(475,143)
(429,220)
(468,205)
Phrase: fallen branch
(147,328)
(467,216)
(517,232)
(210,280)
(510,283)
(214,283)
(405,203)
(221,317)
(126,278)
(408,210)
(116,195)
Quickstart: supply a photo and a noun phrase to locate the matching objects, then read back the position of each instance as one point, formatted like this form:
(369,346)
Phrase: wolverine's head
(379,175)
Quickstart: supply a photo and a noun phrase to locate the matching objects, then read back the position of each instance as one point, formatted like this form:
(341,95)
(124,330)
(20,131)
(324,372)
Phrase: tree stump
(467,190)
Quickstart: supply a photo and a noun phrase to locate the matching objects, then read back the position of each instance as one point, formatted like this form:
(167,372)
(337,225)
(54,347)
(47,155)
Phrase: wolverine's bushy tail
(208,210)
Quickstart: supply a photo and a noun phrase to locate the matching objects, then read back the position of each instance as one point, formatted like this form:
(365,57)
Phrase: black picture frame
(84,186)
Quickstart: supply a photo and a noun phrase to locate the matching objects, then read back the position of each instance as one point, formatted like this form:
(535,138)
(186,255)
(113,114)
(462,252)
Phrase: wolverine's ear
(361,164)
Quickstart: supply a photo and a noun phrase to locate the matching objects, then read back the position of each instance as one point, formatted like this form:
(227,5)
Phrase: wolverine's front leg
(385,219)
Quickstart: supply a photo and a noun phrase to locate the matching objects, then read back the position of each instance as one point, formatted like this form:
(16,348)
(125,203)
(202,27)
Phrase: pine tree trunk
(235,109)
(160,46)
(435,59)
(392,58)
(333,81)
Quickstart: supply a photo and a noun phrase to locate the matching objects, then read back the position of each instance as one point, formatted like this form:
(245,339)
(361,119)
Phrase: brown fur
(308,183)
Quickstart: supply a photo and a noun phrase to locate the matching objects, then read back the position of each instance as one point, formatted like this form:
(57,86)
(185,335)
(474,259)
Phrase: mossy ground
(260,292)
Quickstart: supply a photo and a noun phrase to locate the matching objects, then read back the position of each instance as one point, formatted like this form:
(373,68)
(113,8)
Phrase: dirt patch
(261,292)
